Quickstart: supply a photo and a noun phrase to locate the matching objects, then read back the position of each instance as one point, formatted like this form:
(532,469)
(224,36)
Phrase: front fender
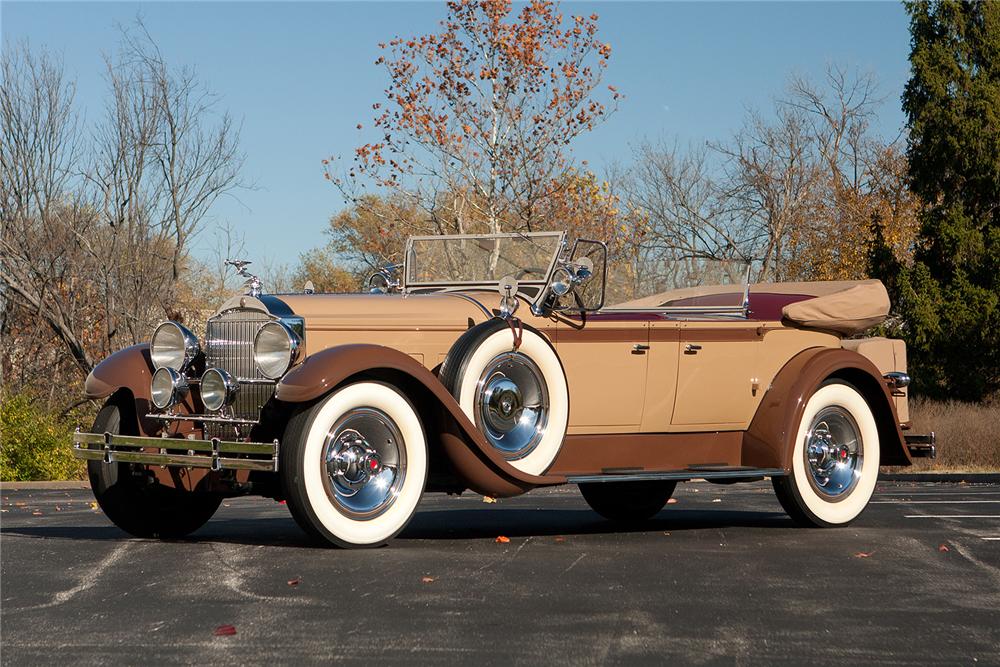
(130,370)
(476,462)
(770,439)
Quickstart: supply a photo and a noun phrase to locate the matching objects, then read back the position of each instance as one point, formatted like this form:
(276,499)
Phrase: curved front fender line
(485,470)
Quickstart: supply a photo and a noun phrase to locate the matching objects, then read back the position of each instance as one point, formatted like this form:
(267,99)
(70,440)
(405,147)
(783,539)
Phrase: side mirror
(578,282)
(384,281)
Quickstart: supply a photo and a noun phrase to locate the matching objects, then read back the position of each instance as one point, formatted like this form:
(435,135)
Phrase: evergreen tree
(950,298)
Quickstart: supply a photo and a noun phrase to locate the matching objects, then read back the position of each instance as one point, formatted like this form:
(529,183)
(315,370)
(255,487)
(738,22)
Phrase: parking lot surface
(719,577)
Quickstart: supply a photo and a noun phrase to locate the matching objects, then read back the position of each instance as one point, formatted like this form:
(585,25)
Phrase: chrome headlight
(167,388)
(218,389)
(173,346)
(276,349)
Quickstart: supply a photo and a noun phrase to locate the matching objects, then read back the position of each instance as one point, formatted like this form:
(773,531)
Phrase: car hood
(385,311)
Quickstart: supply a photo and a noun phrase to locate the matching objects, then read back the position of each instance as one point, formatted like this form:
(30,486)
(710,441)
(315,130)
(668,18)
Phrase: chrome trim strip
(677,475)
(111,451)
(215,419)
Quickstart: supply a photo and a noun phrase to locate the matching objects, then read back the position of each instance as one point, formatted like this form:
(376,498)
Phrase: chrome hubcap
(833,452)
(513,404)
(365,463)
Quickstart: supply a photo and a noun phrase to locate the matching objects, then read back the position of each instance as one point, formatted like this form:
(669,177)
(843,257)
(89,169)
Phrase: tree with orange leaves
(475,128)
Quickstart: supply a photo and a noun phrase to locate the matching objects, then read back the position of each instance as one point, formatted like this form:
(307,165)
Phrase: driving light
(218,389)
(173,346)
(167,388)
(276,349)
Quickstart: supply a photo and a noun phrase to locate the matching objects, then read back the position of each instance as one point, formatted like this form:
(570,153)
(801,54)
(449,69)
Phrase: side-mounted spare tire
(516,394)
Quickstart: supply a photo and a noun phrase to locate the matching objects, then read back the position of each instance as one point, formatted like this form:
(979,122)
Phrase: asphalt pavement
(721,576)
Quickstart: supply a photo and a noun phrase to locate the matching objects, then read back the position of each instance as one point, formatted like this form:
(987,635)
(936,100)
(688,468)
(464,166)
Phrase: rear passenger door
(717,382)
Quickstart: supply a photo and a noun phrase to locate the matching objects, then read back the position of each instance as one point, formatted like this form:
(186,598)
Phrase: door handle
(639,348)
(691,348)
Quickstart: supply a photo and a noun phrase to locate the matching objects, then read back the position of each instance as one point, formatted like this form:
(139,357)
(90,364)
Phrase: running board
(709,474)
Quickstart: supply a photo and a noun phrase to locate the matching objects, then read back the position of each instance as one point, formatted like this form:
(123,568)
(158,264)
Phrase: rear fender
(474,461)
(770,439)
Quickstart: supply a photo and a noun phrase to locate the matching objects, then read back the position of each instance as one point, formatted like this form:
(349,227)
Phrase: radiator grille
(229,346)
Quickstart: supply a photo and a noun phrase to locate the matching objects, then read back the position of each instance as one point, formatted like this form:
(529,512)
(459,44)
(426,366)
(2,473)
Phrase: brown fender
(476,462)
(131,369)
(769,441)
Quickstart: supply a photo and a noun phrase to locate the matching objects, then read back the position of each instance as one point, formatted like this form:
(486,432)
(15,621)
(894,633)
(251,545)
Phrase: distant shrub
(34,443)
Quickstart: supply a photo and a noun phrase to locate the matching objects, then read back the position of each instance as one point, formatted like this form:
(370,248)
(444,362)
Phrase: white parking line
(939,493)
(931,502)
(951,516)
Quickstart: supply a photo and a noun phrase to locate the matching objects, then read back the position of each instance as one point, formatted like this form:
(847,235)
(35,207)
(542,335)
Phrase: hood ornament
(252,283)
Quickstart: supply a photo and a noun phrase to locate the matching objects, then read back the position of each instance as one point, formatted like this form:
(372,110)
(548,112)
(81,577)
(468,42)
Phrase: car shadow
(437,525)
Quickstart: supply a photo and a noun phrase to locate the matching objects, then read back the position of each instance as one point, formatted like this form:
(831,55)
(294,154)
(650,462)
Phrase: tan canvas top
(845,306)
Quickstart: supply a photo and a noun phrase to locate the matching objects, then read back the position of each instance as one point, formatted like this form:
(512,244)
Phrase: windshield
(480,259)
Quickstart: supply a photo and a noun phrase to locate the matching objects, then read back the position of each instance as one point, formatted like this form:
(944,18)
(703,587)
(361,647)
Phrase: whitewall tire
(835,459)
(354,465)
(517,396)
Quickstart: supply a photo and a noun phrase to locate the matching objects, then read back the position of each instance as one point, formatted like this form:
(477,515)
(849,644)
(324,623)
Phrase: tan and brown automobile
(493,364)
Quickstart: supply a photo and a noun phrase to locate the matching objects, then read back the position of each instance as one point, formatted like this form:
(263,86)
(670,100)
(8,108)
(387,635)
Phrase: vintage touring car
(492,364)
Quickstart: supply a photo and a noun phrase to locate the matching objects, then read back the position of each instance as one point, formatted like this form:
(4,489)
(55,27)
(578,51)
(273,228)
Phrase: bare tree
(796,191)
(96,224)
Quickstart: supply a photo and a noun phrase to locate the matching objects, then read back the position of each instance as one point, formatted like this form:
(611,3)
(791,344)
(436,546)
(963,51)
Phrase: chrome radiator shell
(228,345)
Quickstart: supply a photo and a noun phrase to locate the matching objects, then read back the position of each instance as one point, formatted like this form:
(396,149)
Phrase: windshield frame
(408,286)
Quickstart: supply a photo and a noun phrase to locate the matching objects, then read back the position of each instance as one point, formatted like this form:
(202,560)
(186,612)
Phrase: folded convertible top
(846,307)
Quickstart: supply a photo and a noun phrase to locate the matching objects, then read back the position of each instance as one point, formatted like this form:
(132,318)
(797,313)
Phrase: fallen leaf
(560,539)
(502,539)
(672,501)
(20,504)
(489,499)
(427,580)
(943,548)
(282,502)
(224,631)
(294,582)
(93,506)
(863,554)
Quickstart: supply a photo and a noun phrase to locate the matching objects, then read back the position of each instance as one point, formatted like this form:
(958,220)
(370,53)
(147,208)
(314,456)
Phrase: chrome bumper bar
(176,452)
(922,446)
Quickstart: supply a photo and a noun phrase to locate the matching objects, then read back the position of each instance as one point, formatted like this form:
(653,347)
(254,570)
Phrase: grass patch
(968,435)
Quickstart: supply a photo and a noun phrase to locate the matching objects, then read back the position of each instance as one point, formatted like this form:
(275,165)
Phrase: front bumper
(176,452)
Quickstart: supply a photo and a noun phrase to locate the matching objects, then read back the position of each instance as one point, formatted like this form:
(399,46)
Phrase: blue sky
(300,77)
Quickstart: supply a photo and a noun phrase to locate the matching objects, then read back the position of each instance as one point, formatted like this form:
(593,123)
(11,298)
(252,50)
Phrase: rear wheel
(627,501)
(354,465)
(835,459)
(139,505)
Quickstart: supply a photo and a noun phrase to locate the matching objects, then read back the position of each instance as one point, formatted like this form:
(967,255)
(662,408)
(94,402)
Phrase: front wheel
(137,504)
(354,465)
(627,501)
(835,459)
